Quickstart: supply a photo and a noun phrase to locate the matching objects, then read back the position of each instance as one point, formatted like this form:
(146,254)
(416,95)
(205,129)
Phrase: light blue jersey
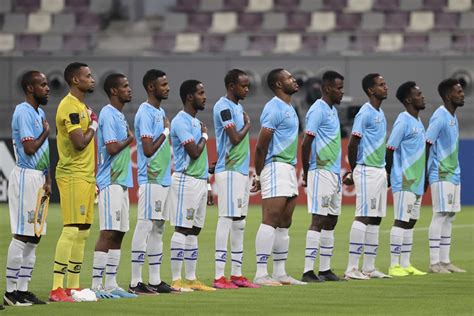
(230,157)
(27,124)
(443,135)
(370,125)
(408,142)
(116,169)
(185,129)
(149,123)
(281,118)
(322,122)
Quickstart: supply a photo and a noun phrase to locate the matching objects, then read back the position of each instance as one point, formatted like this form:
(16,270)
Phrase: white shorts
(406,206)
(152,202)
(187,201)
(23,188)
(324,192)
(278,179)
(445,197)
(233,193)
(371,191)
(114,208)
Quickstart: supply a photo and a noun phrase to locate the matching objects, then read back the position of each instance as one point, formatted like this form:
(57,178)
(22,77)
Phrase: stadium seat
(260,5)
(51,42)
(390,42)
(27,42)
(288,43)
(175,22)
(187,42)
(396,21)
(446,20)
(439,42)
(372,21)
(411,5)
(335,5)
(88,22)
(273,21)
(187,5)
(64,23)
(236,5)
(39,22)
(26,6)
(199,22)
(212,43)
(250,21)
(164,42)
(463,42)
(312,43)
(364,43)
(322,22)
(286,5)
(459,5)
(14,23)
(337,42)
(386,5)
(7,42)
(52,6)
(436,5)
(348,21)
(77,5)
(298,21)
(236,42)
(359,5)
(223,22)
(211,5)
(5,6)
(310,5)
(421,21)
(261,43)
(415,42)
(77,43)
(467,21)
(101,6)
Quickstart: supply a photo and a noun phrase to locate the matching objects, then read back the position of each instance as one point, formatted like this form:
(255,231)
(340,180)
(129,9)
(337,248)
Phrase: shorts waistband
(30,171)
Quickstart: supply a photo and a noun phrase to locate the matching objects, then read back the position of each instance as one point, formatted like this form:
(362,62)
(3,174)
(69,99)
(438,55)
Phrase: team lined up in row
(182,197)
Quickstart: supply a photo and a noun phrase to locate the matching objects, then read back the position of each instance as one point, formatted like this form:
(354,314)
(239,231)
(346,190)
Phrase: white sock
(356,244)
(280,251)
(434,235)
(237,246)
(27,266)
(14,261)
(312,248)
(371,245)
(113,261)
(224,225)
(406,248)
(98,269)
(396,240)
(190,256)
(139,242)
(177,254)
(155,252)
(445,244)
(326,249)
(263,248)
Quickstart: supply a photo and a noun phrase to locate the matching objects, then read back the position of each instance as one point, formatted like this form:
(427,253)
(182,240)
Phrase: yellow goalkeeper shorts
(76,200)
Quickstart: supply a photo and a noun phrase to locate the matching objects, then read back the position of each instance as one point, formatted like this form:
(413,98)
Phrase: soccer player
(444,173)
(406,168)
(189,193)
(275,176)
(321,157)
(366,154)
(114,177)
(154,178)
(232,126)
(76,125)
(31,173)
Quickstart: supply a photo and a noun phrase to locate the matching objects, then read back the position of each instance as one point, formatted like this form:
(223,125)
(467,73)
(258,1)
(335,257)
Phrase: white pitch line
(426,228)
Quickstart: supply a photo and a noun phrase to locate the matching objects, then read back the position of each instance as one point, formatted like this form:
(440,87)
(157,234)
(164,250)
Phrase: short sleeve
(225,116)
(434,128)
(313,122)
(270,119)
(71,117)
(397,135)
(25,126)
(146,126)
(108,129)
(183,132)
(359,124)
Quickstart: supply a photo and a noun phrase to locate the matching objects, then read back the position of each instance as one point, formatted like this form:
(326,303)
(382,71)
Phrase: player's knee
(158,227)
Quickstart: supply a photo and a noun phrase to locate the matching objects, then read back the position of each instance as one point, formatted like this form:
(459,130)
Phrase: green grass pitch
(430,294)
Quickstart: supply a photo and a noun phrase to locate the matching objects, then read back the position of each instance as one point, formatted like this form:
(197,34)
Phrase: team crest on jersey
(190,214)
(373,203)
(239,203)
(117,216)
(158,206)
(325,201)
(31,217)
(410,208)
(378,120)
(450,198)
(82,209)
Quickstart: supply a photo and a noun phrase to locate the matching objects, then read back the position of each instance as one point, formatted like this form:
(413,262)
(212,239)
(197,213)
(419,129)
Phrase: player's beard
(41,100)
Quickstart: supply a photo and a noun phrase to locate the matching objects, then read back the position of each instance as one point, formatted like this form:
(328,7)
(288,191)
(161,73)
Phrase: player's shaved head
(72,70)
(112,81)
(404,91)
(28,79)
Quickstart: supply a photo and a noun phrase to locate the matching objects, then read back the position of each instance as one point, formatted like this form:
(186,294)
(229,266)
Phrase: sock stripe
(73,262)
(236,261)
(193,249)
(372,245)
(154,263)
(61,264)
(13,269)
(370,253)
(237,252)
(159,254)
(221,250)
(59,272)
(176,249)
(280,252)
(177,259)
(137,251)
(138,261)
(220,260)
(357,243)
(312,248)
(72,271)
(324,247)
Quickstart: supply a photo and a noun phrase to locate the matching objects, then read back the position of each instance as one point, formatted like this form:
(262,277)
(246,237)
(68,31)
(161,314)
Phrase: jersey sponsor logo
(158,206)
(190,214)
